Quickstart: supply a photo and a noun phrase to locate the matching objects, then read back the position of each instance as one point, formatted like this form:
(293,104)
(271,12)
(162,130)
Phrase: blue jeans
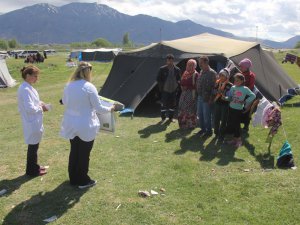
(204,115)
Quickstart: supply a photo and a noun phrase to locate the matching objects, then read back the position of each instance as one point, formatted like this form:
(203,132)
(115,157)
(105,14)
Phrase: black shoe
(171,120)
(200,132)
(88,185)
(163,119)
(220,139)
(208,133)
(246,129)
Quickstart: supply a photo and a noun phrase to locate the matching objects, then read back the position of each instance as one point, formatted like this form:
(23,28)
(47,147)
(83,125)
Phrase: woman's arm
(28,103)
(96,103)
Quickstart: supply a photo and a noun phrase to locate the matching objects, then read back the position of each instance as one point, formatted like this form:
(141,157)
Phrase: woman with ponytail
(31,110)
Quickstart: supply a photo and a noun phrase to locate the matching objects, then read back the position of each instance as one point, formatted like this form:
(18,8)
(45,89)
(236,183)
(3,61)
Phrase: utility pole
(256,32)
(160,34)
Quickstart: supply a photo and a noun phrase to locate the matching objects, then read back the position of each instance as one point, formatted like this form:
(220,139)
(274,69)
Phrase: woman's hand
(45,109)
(113,108)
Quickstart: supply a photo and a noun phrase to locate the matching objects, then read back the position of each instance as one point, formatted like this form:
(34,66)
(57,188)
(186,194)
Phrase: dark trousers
(79,159)
(168,104)
(32,167)
(220,118)
(234,122)
(246,119)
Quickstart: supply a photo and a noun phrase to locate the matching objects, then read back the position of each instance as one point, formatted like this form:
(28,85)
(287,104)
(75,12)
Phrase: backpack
(285,158)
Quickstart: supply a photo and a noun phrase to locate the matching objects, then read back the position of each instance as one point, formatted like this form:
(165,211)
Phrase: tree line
(99,42)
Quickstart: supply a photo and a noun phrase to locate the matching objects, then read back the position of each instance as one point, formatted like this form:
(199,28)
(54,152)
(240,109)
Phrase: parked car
(26,53)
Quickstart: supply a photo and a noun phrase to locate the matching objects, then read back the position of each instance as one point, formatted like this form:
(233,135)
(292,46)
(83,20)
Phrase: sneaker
(199,133)
(171,120)
(220,139)
(42,168)
(42,172)
(89,184)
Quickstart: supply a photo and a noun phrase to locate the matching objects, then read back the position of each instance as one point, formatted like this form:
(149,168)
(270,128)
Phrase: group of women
(80,123)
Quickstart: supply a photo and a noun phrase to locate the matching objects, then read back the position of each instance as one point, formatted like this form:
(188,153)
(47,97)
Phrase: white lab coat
(81,103)
(29,105)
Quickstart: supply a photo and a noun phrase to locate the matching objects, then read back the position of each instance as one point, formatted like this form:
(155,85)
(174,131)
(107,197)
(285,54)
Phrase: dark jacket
(205,84)
(163,74)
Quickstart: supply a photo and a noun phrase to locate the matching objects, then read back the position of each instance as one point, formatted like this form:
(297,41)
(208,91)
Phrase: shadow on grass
(177,134)
(45,205)
(214,149)
(153,129)
(226,155)
(220,150)
(193,143)
(265,160)
(13,184)
(296,104)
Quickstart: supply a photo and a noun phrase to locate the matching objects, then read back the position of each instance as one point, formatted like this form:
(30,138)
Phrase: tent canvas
(133,74)
(5,78)
(3,55)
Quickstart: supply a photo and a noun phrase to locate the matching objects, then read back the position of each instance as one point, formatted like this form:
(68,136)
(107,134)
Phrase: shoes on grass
(42,172)
(88,185)
(201,132)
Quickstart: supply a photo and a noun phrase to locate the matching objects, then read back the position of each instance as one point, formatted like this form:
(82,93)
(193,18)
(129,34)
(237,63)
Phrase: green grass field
(205,183)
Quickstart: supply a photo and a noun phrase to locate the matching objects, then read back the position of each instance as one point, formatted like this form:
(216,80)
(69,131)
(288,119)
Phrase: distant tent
(5,79)
(133,74)
(101,54)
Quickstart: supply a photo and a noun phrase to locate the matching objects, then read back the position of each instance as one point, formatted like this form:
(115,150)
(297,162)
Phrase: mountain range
(85,22)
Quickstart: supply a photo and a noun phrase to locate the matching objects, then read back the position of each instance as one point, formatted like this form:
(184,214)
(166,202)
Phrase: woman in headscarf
(244,66)
(187,109)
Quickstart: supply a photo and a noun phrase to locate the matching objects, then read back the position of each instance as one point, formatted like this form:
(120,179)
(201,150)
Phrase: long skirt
(187,110)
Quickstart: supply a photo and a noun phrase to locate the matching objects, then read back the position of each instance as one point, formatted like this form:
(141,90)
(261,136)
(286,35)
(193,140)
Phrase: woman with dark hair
(31,110)
(80,123)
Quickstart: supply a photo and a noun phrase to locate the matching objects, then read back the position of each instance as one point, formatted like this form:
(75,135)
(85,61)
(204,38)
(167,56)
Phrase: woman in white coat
(80,123)
(31,110)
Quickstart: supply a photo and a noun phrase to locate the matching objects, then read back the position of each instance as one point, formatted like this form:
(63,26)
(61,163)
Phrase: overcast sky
(268,19)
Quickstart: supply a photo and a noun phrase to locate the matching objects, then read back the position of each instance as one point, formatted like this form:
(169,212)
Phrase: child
(238,100)
(221,106)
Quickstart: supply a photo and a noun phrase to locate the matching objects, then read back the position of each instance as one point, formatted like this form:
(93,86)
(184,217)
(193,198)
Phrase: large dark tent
(133,74)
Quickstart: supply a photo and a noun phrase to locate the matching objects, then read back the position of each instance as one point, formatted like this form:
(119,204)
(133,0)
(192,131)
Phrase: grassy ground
(205,183)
